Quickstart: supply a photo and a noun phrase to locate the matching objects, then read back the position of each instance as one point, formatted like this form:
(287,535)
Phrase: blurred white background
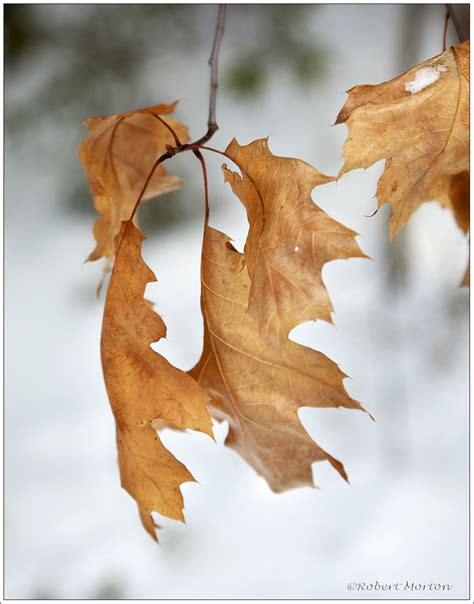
(400,324)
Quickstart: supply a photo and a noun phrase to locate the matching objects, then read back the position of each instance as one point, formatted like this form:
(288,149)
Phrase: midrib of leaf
(259,360)
(243,417)
(144,472)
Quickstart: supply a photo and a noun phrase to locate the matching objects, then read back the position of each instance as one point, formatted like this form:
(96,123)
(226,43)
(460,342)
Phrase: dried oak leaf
(143,387)
(259,388)
(419,123)
(289,240)
(118,154)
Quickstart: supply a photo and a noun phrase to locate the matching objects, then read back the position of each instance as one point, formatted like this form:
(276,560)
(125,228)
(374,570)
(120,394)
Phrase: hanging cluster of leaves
(250,373)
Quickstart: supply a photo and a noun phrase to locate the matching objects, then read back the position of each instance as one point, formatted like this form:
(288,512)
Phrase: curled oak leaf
(289,240)
(259,388)
(118,154)
(419,123)
(144,387)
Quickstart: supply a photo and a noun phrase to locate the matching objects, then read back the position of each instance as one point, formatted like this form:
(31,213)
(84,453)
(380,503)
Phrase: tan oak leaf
(419,123)
(118,154)
(290,239)
(144,389)
(259,388)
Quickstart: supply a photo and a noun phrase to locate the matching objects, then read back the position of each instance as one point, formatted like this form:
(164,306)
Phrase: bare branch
(213,60)
(194,147)
(212,126)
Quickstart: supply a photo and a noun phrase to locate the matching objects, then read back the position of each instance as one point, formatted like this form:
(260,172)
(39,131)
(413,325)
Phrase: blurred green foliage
(102,45)
(66,62)
(283,43)
(92,48)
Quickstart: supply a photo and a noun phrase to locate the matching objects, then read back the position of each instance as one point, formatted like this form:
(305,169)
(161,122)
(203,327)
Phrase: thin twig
(212,125)
(213,60)
(160,160)
(216,151)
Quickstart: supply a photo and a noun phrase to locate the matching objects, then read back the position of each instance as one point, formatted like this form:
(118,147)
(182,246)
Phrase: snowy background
(400,324)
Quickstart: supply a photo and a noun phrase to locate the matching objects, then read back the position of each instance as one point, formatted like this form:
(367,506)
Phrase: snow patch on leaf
(423,78)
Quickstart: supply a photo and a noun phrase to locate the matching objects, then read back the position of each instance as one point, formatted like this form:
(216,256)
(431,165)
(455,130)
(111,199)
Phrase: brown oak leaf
(259,388)
(144,388)
(289,240)
(419,123)
(118,153)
